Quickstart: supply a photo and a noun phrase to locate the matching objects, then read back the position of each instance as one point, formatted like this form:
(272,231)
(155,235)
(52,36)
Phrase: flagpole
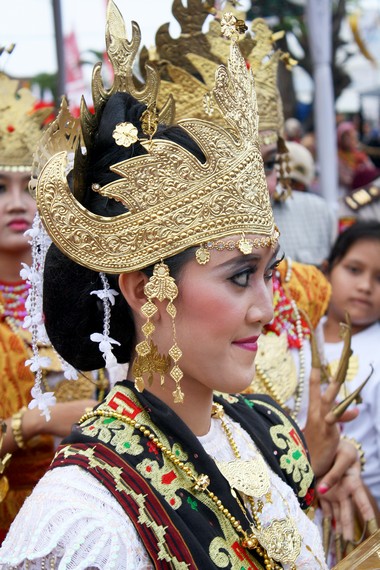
(319,22)
(59,46)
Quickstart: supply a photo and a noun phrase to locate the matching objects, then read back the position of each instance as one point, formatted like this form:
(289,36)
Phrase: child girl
(354,271)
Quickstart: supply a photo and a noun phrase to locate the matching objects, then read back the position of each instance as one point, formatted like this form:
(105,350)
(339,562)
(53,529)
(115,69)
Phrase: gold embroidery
(295,461)
(144,517)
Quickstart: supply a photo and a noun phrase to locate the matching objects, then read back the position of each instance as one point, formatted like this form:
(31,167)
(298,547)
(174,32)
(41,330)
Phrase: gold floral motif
(228,25)
(125,134)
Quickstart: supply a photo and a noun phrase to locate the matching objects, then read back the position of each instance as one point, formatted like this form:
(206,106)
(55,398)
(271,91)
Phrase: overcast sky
(29,24)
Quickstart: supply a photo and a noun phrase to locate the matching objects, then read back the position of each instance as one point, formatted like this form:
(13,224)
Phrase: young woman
(169,471)
(284,362)
(353,269)
(26,435)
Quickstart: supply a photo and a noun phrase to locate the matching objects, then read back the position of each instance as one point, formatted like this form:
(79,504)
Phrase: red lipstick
(249,343)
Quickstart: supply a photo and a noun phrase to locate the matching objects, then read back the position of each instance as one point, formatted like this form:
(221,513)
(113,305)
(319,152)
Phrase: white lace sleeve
(72,522)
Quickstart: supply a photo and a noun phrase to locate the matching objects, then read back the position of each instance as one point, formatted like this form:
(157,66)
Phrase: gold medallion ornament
(183,202)
(248,477)
(282,540)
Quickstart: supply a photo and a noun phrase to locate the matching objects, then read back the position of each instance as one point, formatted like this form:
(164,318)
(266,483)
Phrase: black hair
(72,314)
(366,229)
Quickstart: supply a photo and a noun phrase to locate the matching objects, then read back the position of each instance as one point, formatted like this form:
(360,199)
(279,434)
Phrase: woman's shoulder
(69,507)
(307,286)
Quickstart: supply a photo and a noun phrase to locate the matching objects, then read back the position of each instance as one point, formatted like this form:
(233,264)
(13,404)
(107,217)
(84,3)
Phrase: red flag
(73,69)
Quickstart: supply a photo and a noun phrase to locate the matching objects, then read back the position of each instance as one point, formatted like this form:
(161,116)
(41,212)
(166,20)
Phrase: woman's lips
(247,343)
(19,225)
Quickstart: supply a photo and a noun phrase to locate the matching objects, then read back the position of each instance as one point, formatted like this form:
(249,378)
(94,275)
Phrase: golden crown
(190,77)
(20,125)
(189,84)
(179,202)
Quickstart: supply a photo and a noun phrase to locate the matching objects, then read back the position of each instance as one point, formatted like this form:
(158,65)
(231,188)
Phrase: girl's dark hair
(359,230)
(72,314)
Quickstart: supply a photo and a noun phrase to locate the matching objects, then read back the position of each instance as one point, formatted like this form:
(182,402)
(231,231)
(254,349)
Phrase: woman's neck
(196,409)
(10,264)
(331,329)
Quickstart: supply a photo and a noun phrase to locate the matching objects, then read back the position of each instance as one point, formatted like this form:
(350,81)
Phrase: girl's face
(355,282)
(17,209)
(221,309)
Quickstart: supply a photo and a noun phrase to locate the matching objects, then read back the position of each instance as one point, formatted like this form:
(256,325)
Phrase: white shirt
(366,427)
(72,517)
(307,227)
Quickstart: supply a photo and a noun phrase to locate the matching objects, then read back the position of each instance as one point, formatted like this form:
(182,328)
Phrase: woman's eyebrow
(240,260)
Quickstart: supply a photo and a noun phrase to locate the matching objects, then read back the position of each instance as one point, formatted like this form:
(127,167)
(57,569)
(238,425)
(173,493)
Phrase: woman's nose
(16,197)
(261,309)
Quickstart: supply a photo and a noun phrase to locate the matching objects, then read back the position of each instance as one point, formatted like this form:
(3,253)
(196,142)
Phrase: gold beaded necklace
(201,483)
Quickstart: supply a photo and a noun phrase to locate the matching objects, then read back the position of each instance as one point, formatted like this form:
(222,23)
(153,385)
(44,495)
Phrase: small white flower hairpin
(107,295)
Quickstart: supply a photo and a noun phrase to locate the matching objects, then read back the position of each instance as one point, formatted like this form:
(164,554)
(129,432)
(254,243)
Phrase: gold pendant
(248,477)
(282,541)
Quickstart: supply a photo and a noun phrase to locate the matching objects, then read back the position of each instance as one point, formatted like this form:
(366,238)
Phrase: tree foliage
(291,18)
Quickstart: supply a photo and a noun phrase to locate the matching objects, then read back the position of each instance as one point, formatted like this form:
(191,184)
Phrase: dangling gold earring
(148,359)
(160,286)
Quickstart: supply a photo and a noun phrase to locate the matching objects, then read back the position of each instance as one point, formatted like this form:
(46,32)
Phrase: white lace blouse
(72,521)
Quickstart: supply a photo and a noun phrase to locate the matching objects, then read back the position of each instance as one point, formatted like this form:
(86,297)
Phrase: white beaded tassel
(34,320)
(107,296)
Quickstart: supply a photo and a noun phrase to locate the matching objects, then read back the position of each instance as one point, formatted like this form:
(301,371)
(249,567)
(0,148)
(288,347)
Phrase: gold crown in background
(173,200)
(189,77)
(20,125)
(264,59)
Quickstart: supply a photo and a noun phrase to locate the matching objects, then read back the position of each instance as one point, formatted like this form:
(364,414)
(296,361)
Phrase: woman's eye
(353,269)
(242,279)
(269,275)
(269,165)
(2,188)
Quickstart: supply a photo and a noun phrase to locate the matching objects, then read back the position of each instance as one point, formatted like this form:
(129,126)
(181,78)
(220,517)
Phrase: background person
(29,438)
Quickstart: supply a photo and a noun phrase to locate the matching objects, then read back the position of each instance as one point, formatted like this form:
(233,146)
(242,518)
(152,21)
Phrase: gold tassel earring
(160,286)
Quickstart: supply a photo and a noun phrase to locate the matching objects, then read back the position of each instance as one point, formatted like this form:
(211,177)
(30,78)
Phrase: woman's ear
(324,267)
(132,287)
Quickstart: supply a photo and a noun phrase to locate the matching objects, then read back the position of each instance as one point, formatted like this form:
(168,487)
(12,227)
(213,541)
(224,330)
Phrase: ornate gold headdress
(180,202)
(20,125)
(189,83)
(173,200)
